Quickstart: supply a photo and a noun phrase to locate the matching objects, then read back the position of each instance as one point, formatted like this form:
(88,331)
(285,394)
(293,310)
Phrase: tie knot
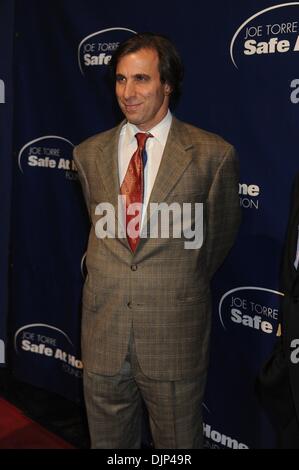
(142,138)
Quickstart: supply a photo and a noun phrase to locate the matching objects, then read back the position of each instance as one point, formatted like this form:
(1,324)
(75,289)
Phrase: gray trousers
(114,408)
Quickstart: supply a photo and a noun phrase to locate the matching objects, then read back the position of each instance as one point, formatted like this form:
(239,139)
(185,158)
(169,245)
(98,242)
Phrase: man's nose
(129,90)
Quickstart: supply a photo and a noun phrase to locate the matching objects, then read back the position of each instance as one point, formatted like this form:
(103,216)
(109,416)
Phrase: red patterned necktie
(132,189)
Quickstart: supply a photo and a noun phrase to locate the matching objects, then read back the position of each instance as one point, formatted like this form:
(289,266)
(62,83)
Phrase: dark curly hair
(170,64)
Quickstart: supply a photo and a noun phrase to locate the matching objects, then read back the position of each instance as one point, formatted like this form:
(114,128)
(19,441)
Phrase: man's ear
(167,89)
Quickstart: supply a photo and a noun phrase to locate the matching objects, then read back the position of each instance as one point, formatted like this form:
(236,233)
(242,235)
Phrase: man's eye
(141,78)
(120,78)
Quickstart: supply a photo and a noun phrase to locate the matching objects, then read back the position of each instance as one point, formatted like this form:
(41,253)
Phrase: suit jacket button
(295,299)
(129,305)
(134,267)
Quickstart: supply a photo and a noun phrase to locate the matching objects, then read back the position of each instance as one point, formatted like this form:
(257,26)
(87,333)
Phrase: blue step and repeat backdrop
(242,82)
(6,161)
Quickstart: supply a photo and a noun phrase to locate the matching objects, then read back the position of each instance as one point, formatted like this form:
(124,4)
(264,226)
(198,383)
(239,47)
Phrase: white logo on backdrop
(2,352)
(218,439)
(295,91)
(249,195)
(39,337)
(83,266)
(97,52)
(46,154)
(274,44)
(32,339)
(2,92)
(247,311)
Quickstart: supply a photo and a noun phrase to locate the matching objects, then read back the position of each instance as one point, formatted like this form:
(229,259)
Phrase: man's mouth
(131,107)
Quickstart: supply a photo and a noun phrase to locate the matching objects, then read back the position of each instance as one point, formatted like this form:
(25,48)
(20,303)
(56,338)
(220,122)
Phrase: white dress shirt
(154,149)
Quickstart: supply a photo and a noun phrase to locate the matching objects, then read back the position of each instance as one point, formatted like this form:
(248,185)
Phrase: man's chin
(133,119)
(132,116)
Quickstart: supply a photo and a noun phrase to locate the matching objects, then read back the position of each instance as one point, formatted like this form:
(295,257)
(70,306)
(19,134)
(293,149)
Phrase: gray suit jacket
(161,291)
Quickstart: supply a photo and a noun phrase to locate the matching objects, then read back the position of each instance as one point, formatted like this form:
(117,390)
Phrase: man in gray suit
(146,299)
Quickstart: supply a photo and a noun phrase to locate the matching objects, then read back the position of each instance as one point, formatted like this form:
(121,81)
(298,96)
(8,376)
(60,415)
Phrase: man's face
(141,96)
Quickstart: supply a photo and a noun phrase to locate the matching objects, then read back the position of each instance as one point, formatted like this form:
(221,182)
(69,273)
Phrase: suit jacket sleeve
(223,211)
(82,178)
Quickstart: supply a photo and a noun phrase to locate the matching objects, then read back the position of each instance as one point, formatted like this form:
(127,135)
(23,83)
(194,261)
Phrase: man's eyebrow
(138,75)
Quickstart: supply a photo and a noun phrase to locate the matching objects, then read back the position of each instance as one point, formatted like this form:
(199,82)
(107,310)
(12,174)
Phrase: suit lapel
(176,157)
(174,161)
(107,166)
